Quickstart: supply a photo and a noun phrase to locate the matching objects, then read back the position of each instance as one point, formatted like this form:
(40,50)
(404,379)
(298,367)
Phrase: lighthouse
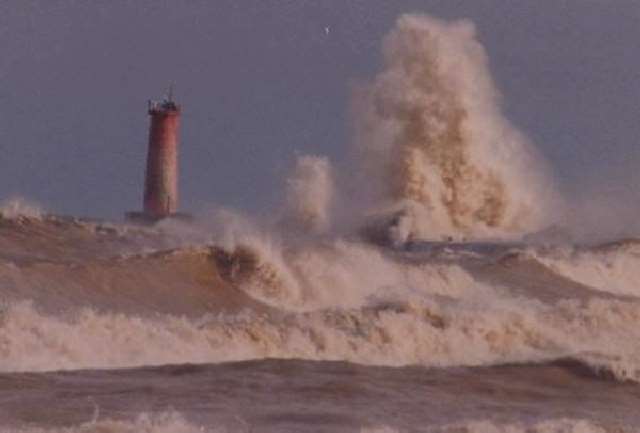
(160,198)
(161,177)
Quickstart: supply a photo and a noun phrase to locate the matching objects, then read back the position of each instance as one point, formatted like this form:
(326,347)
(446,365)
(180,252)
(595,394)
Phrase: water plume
(17,207)
(309,193)
(431,129)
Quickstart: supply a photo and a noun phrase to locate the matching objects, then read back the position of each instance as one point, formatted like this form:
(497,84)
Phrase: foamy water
(174,423)
(442,306)
(613,269)
(168,422)
(438,306)
(428,314)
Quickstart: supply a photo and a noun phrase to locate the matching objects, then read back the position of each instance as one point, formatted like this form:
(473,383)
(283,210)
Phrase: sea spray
(341,274)
(315,273)
(19,207)
(434,141)
(309,194)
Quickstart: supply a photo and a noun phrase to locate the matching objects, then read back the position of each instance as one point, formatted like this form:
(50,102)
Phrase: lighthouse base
(149,219)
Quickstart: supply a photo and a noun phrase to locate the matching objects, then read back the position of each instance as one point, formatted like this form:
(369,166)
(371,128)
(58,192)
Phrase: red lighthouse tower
(161,176)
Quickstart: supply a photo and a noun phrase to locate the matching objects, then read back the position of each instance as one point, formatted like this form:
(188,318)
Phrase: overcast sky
(261,80)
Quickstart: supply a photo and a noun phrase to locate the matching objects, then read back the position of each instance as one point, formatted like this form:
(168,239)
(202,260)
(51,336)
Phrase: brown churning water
(161,180)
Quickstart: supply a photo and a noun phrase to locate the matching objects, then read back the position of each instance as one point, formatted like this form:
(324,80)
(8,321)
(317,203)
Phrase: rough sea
(117,328)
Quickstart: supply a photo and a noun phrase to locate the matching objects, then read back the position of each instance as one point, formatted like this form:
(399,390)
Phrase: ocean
(117,328)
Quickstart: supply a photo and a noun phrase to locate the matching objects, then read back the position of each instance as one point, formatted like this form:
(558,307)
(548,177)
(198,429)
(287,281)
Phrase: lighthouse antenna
(170,92)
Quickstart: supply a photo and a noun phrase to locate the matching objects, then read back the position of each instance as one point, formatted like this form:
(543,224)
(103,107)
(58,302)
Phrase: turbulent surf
(84,295)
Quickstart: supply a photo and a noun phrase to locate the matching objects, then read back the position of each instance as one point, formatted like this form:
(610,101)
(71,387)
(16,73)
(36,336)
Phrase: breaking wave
(340,274)
(613,268)
(430,332)
(327,299)
(444,158)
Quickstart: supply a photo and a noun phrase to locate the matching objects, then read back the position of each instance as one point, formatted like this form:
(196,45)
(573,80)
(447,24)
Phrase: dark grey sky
(260,80)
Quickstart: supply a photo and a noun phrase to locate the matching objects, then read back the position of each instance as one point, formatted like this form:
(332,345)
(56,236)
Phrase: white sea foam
(343,274)
(482,426)
(174,422)
(164,422)
(550,426)
(433,331)
(334,299)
